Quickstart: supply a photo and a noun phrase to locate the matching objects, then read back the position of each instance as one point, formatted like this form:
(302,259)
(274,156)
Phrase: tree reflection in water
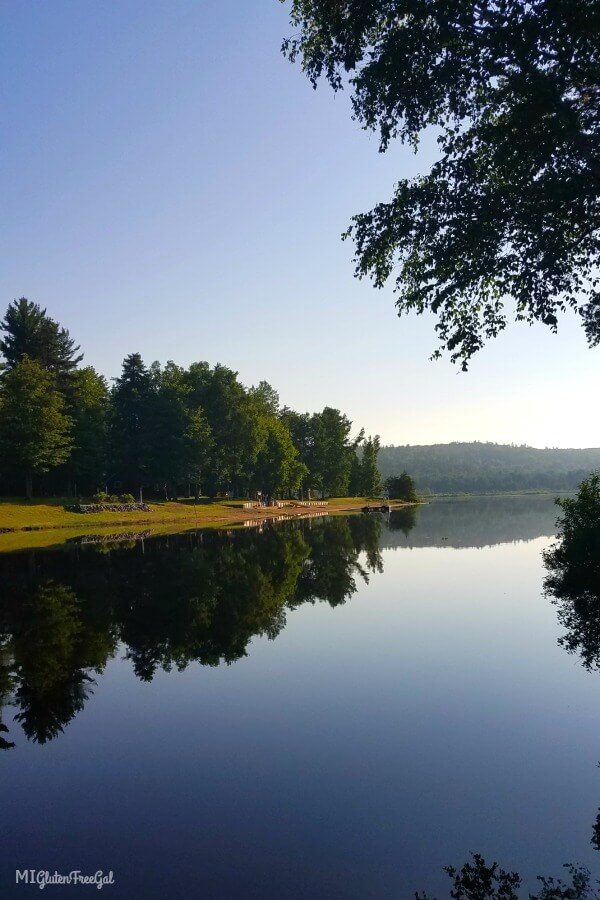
(194,597)
(573,583)
(573,573)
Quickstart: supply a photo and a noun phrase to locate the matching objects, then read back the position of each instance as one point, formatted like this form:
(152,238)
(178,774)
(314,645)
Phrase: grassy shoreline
(39,523)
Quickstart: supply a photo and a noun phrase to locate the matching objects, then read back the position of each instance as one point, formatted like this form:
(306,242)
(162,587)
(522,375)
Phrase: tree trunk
(29,486)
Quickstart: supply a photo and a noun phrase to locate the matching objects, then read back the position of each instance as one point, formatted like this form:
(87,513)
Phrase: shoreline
(31,524)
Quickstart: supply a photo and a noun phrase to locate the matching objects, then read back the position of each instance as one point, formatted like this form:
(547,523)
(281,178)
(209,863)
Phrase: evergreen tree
(28,330)
(35,431)
(130,425)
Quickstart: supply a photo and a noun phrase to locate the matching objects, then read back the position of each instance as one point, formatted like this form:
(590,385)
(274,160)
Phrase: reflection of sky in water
(363,749)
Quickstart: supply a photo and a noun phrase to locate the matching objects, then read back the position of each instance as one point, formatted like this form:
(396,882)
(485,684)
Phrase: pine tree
(130,425)
(28,330)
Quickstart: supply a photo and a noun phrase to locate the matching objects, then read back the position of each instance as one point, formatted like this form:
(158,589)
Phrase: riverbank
(39,523)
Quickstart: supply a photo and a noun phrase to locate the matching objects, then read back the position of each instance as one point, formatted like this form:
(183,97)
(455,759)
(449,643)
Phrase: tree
(35,431)
(30,331)
(235,422)
(130,427)
(509,214)
(325,448)
(369,477)
(180,438)
(401,487)
(355,479)
(478,881)
(88,409)
(573,566)
(266,397)
(278,467)
(330,456)
(52,685)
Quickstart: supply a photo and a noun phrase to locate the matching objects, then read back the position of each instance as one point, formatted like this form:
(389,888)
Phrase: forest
(165,430)
(479,467)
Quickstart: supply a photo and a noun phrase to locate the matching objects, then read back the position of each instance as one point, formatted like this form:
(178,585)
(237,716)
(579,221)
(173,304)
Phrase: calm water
(333,708)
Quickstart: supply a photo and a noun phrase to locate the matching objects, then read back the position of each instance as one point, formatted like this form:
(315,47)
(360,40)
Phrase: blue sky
(171,185)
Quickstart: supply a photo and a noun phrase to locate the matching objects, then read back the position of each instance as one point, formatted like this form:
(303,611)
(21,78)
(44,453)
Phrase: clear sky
(171,185)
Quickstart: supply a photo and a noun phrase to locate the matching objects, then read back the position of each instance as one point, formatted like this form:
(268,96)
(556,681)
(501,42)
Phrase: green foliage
(130,423)
(266,398)
(101,497)
(29,331)
(179,436)
(235,425)
(35,431)
(401,487)
(370,479)
(573,565)
(484,467)
(509,213)
(162,429)
(278,467)
(579,525)
(104,497)
(88,408)
(325,448)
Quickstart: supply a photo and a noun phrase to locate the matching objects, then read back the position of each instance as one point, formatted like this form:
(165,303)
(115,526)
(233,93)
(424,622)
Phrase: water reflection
(369,743)
(202,596)
(472,522)
(172,600)
(573,583)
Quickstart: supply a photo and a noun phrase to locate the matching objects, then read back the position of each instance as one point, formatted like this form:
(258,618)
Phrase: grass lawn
(46,513)
(44,522)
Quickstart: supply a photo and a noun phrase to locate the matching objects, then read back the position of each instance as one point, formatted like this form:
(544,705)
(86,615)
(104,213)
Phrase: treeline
(485,467)
(165,430)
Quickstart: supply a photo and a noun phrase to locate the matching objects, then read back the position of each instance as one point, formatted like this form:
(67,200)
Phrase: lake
(332,707)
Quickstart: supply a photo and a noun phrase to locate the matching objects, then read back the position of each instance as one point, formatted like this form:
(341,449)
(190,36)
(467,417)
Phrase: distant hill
(481,467)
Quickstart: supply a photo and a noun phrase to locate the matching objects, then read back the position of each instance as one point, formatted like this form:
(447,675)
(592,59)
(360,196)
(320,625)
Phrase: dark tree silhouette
(478,881)
(573,579)
(509,213)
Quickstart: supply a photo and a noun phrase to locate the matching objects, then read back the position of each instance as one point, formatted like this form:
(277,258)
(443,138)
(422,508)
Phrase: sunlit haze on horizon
(171,185)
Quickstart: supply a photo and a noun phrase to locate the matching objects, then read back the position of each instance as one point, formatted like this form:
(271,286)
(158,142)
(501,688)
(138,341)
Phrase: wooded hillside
(480,467)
